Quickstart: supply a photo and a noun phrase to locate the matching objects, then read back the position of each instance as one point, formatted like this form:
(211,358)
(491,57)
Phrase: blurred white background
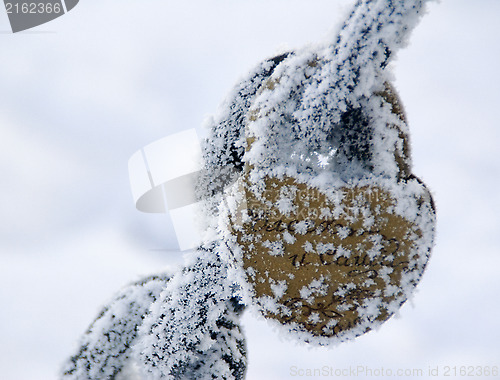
(79,95)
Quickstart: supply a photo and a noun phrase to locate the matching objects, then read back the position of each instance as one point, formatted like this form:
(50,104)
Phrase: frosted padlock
(331,258)
(163,177)
(329,229)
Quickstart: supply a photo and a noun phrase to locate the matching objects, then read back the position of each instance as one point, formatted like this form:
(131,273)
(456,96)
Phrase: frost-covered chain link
(192,330)
(105,348)
(181,327)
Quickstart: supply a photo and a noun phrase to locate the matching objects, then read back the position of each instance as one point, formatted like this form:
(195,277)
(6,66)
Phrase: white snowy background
(80,95)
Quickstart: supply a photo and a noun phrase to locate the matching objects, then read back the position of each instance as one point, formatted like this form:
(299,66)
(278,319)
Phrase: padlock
(333,260)
(329,229)
(312,213)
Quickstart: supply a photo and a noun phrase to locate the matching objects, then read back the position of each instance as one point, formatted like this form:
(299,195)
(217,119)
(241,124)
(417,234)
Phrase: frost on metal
(309,138)
(201,339)
(106,345)
(193,331)
(329,228)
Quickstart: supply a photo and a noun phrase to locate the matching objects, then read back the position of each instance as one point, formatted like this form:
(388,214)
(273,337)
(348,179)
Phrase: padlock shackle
(359,51)
(372,34)
(327,102)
